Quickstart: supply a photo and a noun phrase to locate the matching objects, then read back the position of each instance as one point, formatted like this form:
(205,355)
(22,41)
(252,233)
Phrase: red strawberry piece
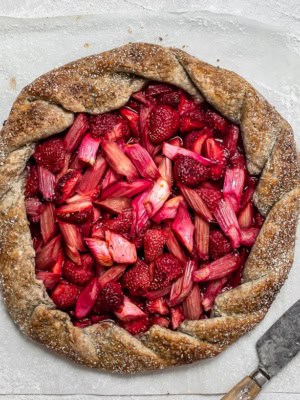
(137,326)
(120,224)
(154,241)
(82,323)
(50,155)
(167,269)
(98,318)
(186,104)
(32,182)
(79,274)
(163,124)
(66,185)
(111,297)
(108,125)
(49,279)
(158,306)
(211,196)
(191,120)
(258,220)
(161,321)
(169,99)
(216,121)
(188,171)
(237,160)
(231,139)
(194,140)
(219,245)
(133,120)
(137,279)
(75,213)
(215,151)
(139,239)
(65,295)
(176,317)
(87,299)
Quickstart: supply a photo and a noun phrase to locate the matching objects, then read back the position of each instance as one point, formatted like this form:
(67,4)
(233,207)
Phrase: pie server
(275,349)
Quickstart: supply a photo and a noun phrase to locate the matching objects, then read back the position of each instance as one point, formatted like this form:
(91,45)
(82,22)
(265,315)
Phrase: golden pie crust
(104,82)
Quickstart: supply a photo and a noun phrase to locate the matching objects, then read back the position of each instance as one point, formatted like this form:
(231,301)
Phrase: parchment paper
(268,59)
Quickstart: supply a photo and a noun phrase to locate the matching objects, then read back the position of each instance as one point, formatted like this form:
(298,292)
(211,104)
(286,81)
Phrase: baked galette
(149,204)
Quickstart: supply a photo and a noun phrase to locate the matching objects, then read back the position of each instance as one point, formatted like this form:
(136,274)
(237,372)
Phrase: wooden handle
(247,389)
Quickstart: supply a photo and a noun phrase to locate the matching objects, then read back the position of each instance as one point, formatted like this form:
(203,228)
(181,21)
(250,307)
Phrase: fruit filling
(142,215)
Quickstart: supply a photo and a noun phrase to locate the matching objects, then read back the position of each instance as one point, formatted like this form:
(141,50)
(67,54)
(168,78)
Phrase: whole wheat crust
(105,82)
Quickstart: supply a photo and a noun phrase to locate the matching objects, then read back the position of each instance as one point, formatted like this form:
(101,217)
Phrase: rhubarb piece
(219,245)
(157,196)
(155,89)
(228,222)
(31,188)
(195,201)
(144,129)
(248,236)
(34,208)
(174,247)
(191,120)
(79,274)
(87,299)
(76,132)
(154,242)
(246,216)
(172,151)
(133,120)
(137,279)
(114,204)
(57,267)
(110,275)
(183,286)
(72,253)
(66,185)
(129,311)
(217,269)
(47,255)
(110,177)
(211,292)
(233,186)
(184,228)
(192,307)
(78,198)
(49,279)
(235,279)
(188,171)
(140,215)
(47,222)
(118,161)
(216,121)
(215,152)
(211,196)
(142,161)
(168,210)
(156,294)
(110,298)
(194,140)
(92,177)
(50,155)
(158,306)
(163,124)
(177,317)
(72,235)
(100,251)
(167,269)
(75,163)
(125,189)
(161,321)
(231,139)
(202,237)
(75,213)
(88,149)
(46,183)
(249,191)
(165,170)
(65,295)
(121,250)
(140,97)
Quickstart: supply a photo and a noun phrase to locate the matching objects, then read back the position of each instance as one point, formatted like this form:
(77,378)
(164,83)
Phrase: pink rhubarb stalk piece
(165,170)
(121,250)
(112,274)
(231,139)
(184,228)
(144,129)
(192,307)
(249,191)
(228,222)
(118,161)
(217,269)
(78,198)
(140,215)
(177,317)
(100,251)
(66,185)
(181,291)
(129,311)
(34,208)
(133,120)
(157,197)
(246,216)
(76,132)
(202,237)
(156,294)
(142,161)
(57,267)
(168,210)
(88,149)
(46,183)
(248,236)
(114,204)
(47,256)
(87,299)
(92,177)
(234,182)
(110,177)
(125,189)
(47,222)
(212,290)
(172,151)
(71,235)
(49,279)
(73,254)
(174,247)
(195,201)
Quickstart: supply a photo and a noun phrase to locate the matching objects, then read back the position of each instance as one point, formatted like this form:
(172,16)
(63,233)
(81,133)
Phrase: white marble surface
(18,380)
